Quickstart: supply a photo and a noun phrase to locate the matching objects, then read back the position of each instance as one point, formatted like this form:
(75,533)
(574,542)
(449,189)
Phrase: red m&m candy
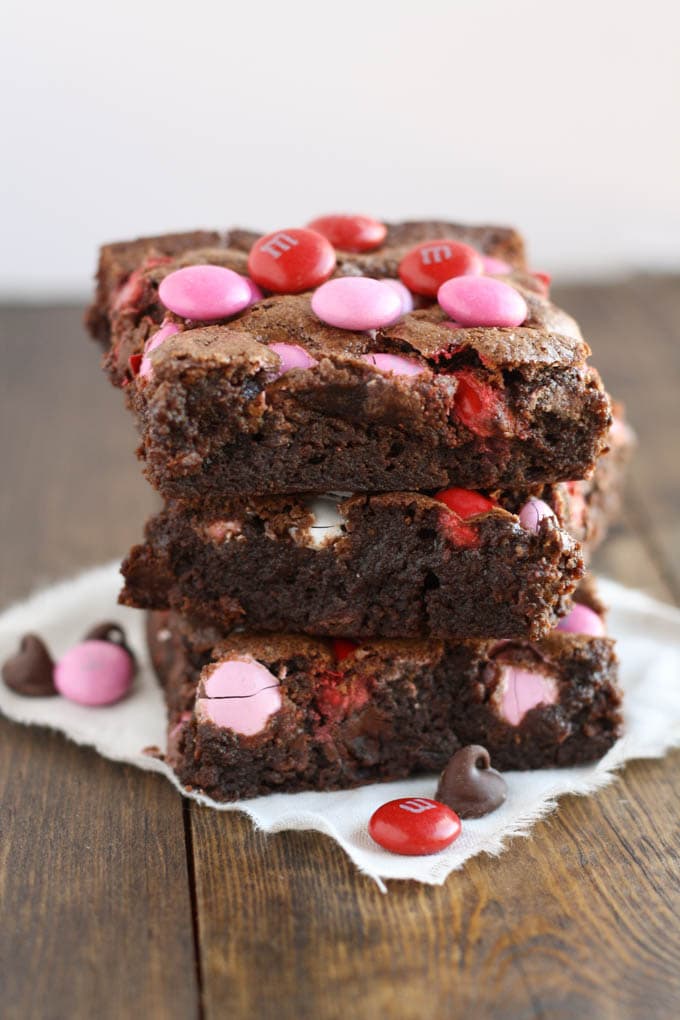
(414,826)
(465,502)
(476,404)
(343,649)
(545,279)
(351,233)
(290,261)
(427,266)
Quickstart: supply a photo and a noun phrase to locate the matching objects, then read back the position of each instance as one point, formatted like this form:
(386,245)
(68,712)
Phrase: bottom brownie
(250,715)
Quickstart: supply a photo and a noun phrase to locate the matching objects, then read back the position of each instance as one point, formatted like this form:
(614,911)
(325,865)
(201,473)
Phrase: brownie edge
(388,710)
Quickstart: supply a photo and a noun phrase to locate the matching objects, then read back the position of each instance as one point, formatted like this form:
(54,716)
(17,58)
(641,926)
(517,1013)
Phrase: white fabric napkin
(648,634)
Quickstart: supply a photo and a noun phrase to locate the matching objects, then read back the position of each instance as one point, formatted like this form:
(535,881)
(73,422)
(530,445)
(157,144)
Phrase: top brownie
(272,399)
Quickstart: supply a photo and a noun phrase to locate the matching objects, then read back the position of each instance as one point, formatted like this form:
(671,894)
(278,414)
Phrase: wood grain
(579,920)
(96,912)
(95,904)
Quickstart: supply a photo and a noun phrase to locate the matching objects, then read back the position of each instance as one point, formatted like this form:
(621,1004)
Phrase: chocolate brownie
(390,565)
(586,507)
(191,561)
(251,715)
(220,415)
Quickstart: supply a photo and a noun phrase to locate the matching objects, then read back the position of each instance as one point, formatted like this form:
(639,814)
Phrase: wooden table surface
(121,900)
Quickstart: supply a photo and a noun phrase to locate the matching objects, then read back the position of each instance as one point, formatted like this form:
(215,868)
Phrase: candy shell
(482,301)
(414,826)
(351,233)
(240,695)
(476,404)
(255,292)
(465,502)
(356,302)
(94,673)
(426,267)
(533,512)
(405,295)
(495,267)
(290,261)
(343,649)
(204,293)
(167,330)
(582,620)
(292,356)
(394,363)
(520,690)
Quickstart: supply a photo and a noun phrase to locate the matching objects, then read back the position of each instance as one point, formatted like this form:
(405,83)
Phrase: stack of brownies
(385,462)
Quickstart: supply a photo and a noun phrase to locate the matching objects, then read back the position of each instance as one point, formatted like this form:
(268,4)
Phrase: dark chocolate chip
(31,671)
(113,632)
(469,786)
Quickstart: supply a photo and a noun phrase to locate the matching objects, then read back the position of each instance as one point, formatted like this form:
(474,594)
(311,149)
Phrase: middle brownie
(390,565)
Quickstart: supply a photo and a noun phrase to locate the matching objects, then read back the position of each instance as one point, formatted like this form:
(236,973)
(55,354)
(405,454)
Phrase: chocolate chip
(31,671)
(469,786)
(113,632)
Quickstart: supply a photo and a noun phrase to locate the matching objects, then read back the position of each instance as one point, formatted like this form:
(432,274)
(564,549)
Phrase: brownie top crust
(126,309)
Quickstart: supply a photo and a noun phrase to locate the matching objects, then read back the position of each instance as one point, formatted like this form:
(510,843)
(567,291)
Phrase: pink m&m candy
(520,690)
(414,826)
(203,293)
(290,261)
(533,512)
(351,233)
(482,301)
(94,673)
(582,620)
(394,363)
(168,330)
(405,295)
(255,292)
(495,267)
(424,268)
(240,695)
(292,356)
(356,302)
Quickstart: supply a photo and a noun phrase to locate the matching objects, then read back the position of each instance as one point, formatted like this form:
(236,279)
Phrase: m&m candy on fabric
(290,261)
(94,673)
(427,266)
(351,233)
(414,826)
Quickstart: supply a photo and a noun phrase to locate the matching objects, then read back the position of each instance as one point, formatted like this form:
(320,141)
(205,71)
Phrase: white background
(127,118)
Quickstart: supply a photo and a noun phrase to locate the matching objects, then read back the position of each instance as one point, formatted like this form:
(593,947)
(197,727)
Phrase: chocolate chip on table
(30,671)
(468,784)
(112,632)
